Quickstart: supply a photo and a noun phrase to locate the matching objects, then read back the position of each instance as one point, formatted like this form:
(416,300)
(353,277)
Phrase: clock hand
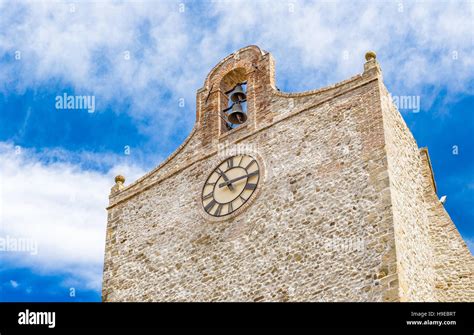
(229,184)
(237,179)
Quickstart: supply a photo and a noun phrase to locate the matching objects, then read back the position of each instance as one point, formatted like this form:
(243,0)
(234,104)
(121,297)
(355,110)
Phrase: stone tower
(318,196)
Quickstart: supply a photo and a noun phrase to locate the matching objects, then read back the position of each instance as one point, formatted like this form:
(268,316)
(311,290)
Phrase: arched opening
(234,104)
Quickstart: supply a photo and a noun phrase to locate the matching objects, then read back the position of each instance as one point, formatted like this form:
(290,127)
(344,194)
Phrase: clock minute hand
(227,182)
(237,179)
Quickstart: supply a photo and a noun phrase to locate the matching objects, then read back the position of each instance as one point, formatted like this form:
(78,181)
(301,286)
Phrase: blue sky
(143,62)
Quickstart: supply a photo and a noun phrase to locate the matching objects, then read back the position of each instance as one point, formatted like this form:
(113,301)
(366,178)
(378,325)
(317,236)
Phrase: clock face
(230,185)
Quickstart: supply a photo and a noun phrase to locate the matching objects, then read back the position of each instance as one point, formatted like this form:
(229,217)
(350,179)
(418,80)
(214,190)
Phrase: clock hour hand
(227,182)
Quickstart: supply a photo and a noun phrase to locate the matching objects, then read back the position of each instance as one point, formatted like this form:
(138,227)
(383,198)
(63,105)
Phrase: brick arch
(250,64)
(233,77)
(242,58)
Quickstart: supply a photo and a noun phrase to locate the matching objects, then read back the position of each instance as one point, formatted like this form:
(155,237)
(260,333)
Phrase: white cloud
(61,208)
(14,284)
(57,43)
(414,46)
(171,52)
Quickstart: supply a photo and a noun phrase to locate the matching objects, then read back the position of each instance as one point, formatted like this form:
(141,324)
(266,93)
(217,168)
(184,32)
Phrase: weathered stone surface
(347,210)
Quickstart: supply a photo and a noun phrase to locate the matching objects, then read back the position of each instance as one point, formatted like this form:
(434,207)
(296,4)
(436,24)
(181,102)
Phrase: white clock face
(230,185)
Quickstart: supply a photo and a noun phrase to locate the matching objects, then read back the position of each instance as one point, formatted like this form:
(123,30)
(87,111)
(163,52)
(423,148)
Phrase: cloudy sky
(141,59)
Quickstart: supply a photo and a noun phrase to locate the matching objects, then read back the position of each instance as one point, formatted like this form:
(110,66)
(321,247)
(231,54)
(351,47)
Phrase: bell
(238,94)
(237,115)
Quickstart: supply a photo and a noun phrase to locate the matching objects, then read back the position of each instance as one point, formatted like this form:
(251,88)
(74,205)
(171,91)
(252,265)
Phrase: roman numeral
(250,164)
(251,186)
(252,174)
(209,206)
(230,162)
(242,198)
(218,210)
(210,184)
(207,196)
(229,207)
(241,157)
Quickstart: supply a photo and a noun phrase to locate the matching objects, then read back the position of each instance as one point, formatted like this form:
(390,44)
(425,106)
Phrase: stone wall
(341,200)
(433,261)
(320,229)
(410,214)
(453,263)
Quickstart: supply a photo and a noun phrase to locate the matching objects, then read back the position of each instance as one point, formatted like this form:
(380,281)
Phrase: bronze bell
(237,115)
(238,94)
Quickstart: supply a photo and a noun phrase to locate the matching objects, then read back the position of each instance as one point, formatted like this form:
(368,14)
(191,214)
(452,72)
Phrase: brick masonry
(347,210)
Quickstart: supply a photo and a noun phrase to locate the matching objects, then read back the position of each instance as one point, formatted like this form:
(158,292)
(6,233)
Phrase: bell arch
(234,100)
(250,65)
